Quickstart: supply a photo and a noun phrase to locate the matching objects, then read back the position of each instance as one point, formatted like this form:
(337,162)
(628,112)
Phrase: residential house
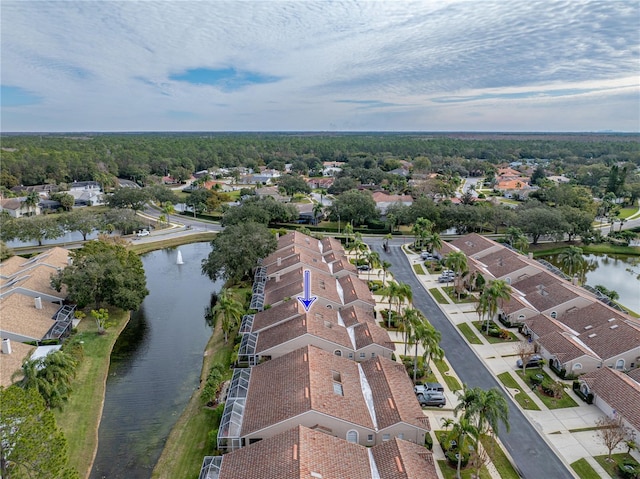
(383,200)
(17,207)
(366,403)
(301,452)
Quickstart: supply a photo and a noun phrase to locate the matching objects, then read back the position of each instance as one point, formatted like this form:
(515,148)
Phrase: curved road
(532,455)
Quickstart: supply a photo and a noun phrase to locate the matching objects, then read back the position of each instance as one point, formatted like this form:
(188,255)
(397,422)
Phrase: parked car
(426,255)
(364,267)
(142,233)
(534,361)
(428,387)
(432,398)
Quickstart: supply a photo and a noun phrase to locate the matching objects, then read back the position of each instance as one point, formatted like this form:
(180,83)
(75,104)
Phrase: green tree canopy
(31,444)
(103,273)
(236,250)
(354,205)
(131,198)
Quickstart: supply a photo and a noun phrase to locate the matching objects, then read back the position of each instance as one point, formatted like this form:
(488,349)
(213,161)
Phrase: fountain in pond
(179,259)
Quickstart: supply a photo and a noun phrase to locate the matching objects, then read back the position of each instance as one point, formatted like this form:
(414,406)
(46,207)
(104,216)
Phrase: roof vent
(592,335)
(611,319)
(588,327)
(613,327)
(316,475)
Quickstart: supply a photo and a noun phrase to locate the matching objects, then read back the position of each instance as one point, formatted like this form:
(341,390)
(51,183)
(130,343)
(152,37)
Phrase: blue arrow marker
(307,300)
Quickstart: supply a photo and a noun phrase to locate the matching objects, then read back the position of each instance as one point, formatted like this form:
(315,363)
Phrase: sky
(437,65)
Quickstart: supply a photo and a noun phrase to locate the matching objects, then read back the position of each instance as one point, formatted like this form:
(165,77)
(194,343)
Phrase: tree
(318,212)
(82,220)
(421,228)
(494,292)
(539,221)
(38,228)
(373,260)
(457,262)
(168,209)
(516,239)
(462,430)
(392,293)
(525,350)
(66,200)
(611,432)
(123,220)
(197,200)
(103,273)
(31,444)
(293,184)
(384,269)
(236,250)
(572,261)
(128,198)
(229,311)
(101,316)
(30,203)
(348,232)
(354,206)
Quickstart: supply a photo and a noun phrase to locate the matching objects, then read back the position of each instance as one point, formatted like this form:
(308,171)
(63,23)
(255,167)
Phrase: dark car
(533,362)
(363,267)
(432,398)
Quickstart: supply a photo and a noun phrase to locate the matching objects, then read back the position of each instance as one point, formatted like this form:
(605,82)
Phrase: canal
(155,364)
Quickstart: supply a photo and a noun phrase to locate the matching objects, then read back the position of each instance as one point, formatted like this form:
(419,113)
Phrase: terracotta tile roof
(296,454)
(300,239)
(366,334)
(305,378)
(515,303)
(589,317)
(319,322)
(473,243)
(618,390)
(353,314)
(398,459)
(392,397)
(331,244)
(20,316)
(564,346)
(354,289)
(542,325)
(343,265)
(302,259)
(382,197)
(292,285)
(612,338)
(281,312)
(545,290)
(10,363)
(635,374)
(503,262)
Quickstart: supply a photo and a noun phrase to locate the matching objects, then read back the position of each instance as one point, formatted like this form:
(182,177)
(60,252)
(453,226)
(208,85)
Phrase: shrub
(428,441)
(212,440)
(452,457)
(629,469)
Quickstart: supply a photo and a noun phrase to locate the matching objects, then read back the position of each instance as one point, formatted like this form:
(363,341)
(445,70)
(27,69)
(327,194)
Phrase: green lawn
(449,472)
(584,470)
(626,212)
(80,418)
(452,383)
(550,402)
(469,334)
(521,398)
(612,467)
(499,458)
(493,339)
(418,269)
(438,296)
(450,291)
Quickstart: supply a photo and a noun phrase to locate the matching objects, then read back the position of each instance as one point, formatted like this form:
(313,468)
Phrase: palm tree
(516,239)
(433,241)
(317,212)
(572,260)
(447,422)
(495,293)
(30,202)
(421,228)
(373,260)
(422,333)
(384,266)
(431,344)
(413,325)
(392,292)
(404,294)
(229,311)
(347,231)
(457,262)
(461,431)
(168,209)
(51,376)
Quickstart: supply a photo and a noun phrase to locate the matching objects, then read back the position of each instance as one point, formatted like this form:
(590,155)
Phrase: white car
(142,233)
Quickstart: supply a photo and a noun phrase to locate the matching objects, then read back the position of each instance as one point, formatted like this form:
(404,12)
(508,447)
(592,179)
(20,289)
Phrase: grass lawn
(449,472)
(493,339)
(452,383)
(498,458)
(521,398)
(544,249)
(454,297)
(612,467)
(469,334)
(418,269)
(142,248)
(626,212)
(438,296)
(550,402)
(584,470)
(187,444)
(80,418)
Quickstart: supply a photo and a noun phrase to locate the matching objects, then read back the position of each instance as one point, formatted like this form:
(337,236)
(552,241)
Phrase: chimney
(279,262)
(6,346)
(530,255)
(574,280)
(38,302)
(278,277)
(69,261)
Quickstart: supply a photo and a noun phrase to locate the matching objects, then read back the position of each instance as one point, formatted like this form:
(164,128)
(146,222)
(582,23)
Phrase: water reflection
(155,364)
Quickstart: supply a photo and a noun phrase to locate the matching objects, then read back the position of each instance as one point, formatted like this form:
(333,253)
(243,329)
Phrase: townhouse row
(319,395)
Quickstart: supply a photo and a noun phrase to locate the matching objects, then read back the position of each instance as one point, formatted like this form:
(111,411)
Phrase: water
(615,272)
(155,364)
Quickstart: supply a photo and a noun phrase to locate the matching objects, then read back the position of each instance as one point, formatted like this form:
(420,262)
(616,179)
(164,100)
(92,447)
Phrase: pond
(155,364)
(616,272)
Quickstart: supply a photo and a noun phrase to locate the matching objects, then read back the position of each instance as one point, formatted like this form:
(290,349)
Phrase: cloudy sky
(506,65)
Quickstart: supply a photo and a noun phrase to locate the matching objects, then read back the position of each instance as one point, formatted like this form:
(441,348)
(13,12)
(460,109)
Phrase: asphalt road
(533,456)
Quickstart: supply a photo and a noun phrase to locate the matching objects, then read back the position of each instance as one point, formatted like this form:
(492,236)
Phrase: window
(620,364)
(370,438)
(352,436)
(362,355)
(577,366)
(386,437)
(401,435)
(373,355)
(553,314)
(520,317)
(507,280)
(337,352)
(350,355)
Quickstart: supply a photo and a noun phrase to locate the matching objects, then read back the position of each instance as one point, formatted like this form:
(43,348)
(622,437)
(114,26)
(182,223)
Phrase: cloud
(313,65)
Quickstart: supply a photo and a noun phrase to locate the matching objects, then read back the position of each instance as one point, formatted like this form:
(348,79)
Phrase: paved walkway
(559,427)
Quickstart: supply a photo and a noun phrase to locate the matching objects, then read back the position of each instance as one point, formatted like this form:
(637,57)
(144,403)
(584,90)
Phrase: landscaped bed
(543,382)
(496,333)
(521,398)
(469,334)
(613,467)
